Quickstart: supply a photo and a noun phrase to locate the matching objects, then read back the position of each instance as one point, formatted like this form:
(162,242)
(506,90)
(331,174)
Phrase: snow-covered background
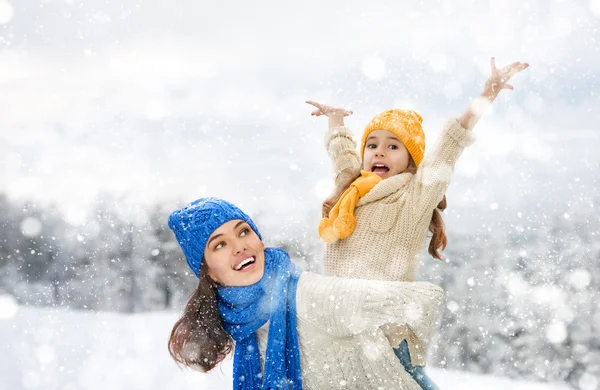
(97,351)
(115,113)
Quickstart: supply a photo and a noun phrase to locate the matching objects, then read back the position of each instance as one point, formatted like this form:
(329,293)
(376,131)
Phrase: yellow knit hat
(404,124)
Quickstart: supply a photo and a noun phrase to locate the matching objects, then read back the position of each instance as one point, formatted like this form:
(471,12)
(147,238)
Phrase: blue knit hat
(194,223)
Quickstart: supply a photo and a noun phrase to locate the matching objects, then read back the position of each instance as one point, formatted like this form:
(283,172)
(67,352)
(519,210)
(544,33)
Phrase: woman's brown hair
(198,339)
(436,226)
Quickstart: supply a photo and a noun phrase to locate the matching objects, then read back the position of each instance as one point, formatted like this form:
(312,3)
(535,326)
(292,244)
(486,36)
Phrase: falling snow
(108,125)
(373,67)
(31,227)
(6,12)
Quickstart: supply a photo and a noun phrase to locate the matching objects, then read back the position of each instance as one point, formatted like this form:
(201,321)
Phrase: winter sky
(155,100)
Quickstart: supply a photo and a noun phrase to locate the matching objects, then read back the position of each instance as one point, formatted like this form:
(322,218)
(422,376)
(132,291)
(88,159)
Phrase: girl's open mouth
(380,168)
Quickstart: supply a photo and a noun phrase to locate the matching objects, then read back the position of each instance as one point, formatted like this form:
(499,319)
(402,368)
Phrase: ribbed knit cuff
(461,135)
(337,131)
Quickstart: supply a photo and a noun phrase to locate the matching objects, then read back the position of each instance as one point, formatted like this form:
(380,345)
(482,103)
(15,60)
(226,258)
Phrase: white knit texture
(392,220)
(341,341)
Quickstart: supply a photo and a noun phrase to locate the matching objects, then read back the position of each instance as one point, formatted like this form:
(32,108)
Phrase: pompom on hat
(194,223)
(404,124)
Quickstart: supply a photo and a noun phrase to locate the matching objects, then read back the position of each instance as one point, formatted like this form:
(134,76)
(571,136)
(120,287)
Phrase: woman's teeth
(244,263)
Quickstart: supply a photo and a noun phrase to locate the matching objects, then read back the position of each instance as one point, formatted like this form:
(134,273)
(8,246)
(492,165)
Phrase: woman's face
(235,255)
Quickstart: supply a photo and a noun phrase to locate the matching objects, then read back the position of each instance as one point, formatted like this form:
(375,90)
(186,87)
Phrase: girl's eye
(371,146)
(393,147)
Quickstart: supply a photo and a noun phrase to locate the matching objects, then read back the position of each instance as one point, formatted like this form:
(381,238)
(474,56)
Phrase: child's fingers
(313,103)
(521,67)
(513,65)
(516,67)
(318,111)
(514,71)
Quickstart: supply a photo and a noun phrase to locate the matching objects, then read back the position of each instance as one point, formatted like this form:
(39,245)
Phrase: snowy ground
(66,350)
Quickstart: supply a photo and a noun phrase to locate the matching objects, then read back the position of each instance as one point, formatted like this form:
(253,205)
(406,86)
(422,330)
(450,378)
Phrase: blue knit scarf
(246,309)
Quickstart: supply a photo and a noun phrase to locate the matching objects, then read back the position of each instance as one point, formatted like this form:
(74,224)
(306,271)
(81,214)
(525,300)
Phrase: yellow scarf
(341,222)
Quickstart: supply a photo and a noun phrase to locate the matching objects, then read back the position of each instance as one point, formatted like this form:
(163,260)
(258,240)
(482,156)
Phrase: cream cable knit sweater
(392,220)
(341,343)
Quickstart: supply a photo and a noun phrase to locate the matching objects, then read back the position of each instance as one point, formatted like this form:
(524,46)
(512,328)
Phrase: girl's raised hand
(496,83)
(323,109)
(500,77)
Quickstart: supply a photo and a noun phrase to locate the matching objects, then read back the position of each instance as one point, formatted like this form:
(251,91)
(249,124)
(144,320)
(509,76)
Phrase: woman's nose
(239,247)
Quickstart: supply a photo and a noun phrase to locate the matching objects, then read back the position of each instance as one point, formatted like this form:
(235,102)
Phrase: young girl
(388,198)
(292,329)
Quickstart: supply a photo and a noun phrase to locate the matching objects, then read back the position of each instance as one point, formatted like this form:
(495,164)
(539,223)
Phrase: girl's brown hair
(198,339)
(436,226)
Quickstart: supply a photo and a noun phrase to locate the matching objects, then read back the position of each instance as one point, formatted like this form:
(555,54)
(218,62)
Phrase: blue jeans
(416,372)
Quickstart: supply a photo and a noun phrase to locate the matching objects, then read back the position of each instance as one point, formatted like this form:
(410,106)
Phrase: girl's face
(385,154)
(235,255)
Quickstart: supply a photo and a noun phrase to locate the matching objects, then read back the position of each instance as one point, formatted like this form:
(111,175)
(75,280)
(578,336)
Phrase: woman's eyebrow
(213,238)
(219,235)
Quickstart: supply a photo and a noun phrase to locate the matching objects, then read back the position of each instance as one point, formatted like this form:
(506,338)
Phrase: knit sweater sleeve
(342,151)
(435,171)
(343,307)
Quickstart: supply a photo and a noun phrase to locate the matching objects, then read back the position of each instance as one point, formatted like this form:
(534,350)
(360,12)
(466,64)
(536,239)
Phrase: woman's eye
(220,245)
(244,232)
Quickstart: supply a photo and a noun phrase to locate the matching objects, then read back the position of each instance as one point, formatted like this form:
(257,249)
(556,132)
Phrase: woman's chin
(253,278)
(250,275)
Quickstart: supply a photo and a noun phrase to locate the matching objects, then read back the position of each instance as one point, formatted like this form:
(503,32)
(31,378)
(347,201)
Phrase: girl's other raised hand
(497,81)
(336,115)
(500,77)
(323,109)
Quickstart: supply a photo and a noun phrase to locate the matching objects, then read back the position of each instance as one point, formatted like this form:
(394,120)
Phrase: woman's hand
(335,115)
(500,77)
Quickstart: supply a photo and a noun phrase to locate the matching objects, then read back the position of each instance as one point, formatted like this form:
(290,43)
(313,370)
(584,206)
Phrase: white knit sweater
(341,343)
(392,220)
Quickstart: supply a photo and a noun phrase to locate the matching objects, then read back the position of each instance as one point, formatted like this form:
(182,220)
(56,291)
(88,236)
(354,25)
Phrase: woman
(292,329)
